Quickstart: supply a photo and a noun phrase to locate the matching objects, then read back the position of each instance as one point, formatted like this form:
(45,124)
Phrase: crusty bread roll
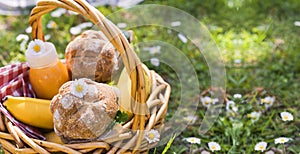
(91,55)
(81,119)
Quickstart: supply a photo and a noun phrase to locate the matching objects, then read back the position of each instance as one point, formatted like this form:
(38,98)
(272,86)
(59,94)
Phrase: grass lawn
(259,44)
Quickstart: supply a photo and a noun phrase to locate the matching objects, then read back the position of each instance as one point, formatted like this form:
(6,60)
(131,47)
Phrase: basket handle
(130,59)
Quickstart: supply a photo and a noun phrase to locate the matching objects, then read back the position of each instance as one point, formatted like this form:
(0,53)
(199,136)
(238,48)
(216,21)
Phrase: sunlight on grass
(244,47)
(260,47)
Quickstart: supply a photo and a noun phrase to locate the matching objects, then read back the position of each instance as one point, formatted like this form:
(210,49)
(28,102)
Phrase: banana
(124,85)
(31,111)
(52,137)
(148,80)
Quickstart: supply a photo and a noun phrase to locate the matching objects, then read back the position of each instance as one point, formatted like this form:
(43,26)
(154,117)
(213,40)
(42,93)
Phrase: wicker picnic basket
(149,112)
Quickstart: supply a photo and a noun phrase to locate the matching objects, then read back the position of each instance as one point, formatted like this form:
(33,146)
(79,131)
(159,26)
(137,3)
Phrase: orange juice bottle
(46,72)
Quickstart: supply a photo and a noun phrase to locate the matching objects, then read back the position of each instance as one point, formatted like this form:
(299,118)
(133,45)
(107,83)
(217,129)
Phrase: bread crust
(91,55)
(84,118)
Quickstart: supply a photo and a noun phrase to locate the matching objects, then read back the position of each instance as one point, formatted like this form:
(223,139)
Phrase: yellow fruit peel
(124,85)
(31,111)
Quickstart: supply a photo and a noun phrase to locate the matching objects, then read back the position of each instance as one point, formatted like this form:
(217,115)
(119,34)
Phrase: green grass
(249,31)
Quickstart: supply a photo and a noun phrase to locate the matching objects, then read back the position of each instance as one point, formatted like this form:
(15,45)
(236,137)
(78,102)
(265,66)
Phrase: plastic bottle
(46,73)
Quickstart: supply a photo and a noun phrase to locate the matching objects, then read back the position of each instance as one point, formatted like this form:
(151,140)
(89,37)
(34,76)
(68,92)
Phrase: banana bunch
(31,111)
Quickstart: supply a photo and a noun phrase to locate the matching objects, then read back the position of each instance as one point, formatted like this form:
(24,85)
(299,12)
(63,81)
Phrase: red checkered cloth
(14,81)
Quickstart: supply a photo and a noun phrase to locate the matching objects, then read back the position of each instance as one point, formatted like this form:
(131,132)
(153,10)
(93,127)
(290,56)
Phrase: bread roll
(91,55)
(83,118)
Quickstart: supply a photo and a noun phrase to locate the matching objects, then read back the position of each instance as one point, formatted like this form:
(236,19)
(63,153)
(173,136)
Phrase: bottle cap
(40,54)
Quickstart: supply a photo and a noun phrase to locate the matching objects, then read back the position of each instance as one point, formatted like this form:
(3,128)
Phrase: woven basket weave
(149,111)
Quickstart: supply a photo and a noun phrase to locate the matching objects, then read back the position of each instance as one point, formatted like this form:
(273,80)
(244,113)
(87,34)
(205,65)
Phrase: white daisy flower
(155,50)
(229,105)
(155,62)
(36,47)
(286,116)
(182,38)
(268,101)
(191,119)
(237,61)
(193,140)
(238,96)
(122,25)
(254,116)
(235,108)
(75,30)
(58,12)
(297,23)
(281,140)
(261,146)
(270,152)
(175,23)
(205,152)
(214,146)
(52,25)
(85,25)
(152,136)
(23,46)
(28,30)
(215,100)
(47,37)
(206,101)
(21,37)
(72,12)
(78,88)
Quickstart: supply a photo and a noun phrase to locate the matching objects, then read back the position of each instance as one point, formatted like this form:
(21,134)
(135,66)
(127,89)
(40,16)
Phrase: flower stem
(283,148)
(191,149)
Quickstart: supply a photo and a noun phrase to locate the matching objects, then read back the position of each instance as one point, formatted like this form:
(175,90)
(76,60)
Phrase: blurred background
(260,46)
(19,7)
